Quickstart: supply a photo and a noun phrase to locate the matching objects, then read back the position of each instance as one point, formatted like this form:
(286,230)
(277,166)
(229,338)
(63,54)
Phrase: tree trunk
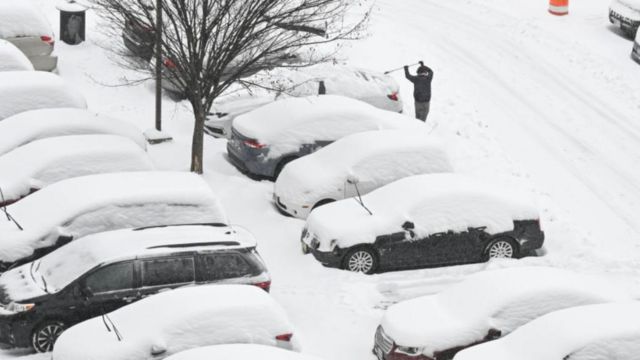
(197,145)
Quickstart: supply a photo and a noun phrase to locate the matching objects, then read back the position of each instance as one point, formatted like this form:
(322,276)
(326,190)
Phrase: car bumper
(528,244)
(625,23)
(251,168)
(295,211)
(44,62)
(14,332)
(332,259)
(635,53)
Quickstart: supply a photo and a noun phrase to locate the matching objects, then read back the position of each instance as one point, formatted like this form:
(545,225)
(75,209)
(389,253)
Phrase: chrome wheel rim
(46,337)
(361,261)
(501,250)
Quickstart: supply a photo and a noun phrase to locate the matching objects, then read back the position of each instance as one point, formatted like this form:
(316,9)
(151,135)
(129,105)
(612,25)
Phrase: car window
(168,271)
(225,266)
(111,278)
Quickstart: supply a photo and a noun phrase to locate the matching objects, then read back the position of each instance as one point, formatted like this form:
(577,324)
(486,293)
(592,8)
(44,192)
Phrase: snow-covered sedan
(178,320)
(357,164)
(22,24)
(30,90)
(43,162)
(12,59)
(72,208)
(109,270)
(266,139)
(625,14)
(240,352)
(591,332)
(484,307)
(28,126)
(423,220)
(366,85)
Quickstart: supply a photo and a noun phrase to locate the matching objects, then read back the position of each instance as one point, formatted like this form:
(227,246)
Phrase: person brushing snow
(421,89)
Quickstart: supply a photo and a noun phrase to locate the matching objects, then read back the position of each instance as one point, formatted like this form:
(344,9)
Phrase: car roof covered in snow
(603,331)
(49,160)
(30,90)
(501,299)
(32,125)
(434,202)
(240,352)
(22,18)
(627,8)
(407,152)
(12,59)
(178,320)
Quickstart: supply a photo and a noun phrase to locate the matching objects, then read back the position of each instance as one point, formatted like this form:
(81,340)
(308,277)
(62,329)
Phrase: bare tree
(210,44)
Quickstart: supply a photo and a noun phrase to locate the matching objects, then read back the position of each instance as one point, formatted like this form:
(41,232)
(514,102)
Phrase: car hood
(18,285)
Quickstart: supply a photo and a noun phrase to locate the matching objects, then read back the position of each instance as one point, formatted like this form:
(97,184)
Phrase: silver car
(23,25)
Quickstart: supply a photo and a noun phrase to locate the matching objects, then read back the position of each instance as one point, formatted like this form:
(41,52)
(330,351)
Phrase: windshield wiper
(359,199)
(44,283)
(4,208)
(106,318)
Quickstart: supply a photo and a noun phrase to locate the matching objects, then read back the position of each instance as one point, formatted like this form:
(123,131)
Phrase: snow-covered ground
(550,104)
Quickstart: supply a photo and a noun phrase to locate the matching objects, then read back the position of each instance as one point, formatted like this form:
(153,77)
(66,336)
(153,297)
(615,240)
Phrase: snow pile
(46,161)
(375,158)
(96,203)
(434,203)
(22,18)
(583,332)
(30,90)
(627,8)
(286,124)
(12,59)
(22,128)
(179,320)
(20,284)
(502,299)
(240,352)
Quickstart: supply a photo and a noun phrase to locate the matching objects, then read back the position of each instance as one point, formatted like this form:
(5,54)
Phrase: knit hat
(423,70)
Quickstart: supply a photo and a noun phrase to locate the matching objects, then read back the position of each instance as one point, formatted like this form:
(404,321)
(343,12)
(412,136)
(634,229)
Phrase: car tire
(46,334)
(501,248)
(322,202)
(362,259)
(281,166)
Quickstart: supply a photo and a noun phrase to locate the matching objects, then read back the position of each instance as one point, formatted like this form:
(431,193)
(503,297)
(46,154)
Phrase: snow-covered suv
(626,15)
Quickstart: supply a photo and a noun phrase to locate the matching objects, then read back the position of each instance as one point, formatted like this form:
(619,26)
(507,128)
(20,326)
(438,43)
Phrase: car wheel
(361,259)
(45,335)
(281,166)
(322,202)
(501,248)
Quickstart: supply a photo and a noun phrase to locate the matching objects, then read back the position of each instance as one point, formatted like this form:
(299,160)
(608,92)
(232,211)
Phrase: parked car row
(625,14)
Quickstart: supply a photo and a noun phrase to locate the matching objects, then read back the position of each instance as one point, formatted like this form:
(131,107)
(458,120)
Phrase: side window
(111,278)
(168,271)
(225,266)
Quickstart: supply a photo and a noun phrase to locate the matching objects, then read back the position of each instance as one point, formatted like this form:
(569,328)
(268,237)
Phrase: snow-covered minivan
(626,15)
(356,165)
(423,220)
(73,208)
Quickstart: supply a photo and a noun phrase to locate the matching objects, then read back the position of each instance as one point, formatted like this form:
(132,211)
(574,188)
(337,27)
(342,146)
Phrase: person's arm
(408,75)
(430,73)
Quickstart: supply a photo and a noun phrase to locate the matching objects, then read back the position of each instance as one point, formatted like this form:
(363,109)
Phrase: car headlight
(18,308)
(409,350)
(332,244)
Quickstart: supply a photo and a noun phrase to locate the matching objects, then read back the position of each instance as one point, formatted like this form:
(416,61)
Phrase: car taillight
(265,285)
(393,96)
(254,144)
(48,39)
(284,337)
(169,64)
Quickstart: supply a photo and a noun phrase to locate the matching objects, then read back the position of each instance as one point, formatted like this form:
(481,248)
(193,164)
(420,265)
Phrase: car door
(159,274)
(107,288)
(228,265)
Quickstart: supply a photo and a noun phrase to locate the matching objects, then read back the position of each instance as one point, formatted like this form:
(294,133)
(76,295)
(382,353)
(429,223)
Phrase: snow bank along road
(552,103)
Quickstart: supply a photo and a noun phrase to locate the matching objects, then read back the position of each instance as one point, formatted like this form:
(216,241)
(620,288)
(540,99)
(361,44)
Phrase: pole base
(154,136)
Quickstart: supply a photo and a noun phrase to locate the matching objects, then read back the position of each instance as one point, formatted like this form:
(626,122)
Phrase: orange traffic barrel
(559,7)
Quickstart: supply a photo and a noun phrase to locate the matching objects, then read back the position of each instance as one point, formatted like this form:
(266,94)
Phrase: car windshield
(54,271)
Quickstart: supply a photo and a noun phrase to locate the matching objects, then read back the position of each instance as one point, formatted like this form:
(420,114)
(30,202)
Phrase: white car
(240,352)
(43,162)
(85,205)
(12,59)
(30,90)
(369,86)
(178,320)
(483,307)
(592,332)
(28,126)
(357,164)
(22,24)
(626,15)
(424,220)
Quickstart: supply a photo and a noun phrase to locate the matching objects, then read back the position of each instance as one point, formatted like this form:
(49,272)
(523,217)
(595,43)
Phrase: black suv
(99,273)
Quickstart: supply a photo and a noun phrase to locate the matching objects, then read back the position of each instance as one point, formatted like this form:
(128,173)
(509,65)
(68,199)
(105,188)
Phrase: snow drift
(12,59)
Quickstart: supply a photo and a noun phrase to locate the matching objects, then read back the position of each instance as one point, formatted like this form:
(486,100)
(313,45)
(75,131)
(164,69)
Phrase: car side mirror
(408,225)
(84,291)
(158,349)
(493,334)
(352,179)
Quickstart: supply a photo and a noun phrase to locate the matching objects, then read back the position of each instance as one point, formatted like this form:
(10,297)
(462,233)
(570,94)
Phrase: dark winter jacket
(421,84)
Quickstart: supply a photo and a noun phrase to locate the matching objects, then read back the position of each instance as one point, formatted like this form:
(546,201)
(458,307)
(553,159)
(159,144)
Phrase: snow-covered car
(635,52)
(264,140)
(43,162)
(240,352)
(484,307)
(369,86)
(109,270)
(369,160)
(178,320)
(423,220)
(12,59)
(22,24)
(85,205)
(591,332)
(28,126)
(625,14)
(30,90)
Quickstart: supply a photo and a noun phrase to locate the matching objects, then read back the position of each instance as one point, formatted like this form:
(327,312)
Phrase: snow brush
(400,68)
